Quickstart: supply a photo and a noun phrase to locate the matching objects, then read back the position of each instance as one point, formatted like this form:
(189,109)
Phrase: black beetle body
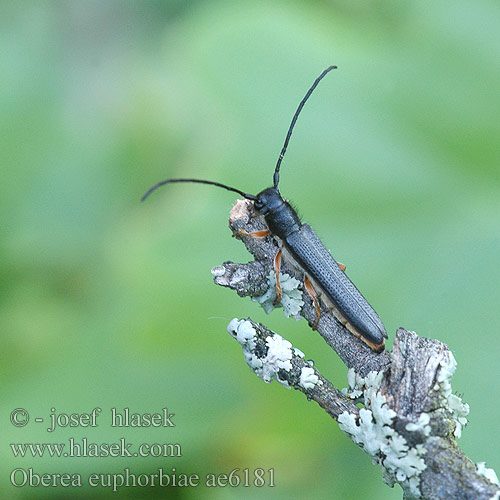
(311,256)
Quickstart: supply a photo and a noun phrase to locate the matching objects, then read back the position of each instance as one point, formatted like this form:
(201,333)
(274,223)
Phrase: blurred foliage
(108,302)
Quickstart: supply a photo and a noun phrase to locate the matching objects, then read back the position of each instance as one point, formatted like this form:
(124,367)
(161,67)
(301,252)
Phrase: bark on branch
(410,420)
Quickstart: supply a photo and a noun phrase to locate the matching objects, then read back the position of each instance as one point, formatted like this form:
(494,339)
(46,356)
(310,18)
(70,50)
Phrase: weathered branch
(410,420)
(271,356)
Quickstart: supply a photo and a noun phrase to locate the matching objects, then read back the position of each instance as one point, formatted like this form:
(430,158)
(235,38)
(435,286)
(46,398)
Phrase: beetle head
(268,201)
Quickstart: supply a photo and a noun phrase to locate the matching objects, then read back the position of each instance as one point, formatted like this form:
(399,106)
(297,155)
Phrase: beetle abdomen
(305,247)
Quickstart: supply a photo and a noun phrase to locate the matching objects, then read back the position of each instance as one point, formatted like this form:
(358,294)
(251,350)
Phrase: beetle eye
(258,204)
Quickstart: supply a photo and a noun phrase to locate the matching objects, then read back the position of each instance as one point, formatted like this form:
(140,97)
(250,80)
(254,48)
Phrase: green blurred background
(109,302)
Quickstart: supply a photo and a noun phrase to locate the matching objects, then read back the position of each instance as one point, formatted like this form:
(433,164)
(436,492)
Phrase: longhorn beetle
(323,276)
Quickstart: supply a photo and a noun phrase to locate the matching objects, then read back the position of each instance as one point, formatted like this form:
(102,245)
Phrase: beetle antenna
(168,181)
(294,119)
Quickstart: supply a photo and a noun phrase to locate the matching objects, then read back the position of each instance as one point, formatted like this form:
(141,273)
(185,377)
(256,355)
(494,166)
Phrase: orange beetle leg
(310,290)
(254,234)
(277,266)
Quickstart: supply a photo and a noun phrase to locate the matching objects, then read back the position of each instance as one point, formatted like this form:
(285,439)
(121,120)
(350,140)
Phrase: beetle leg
(254,234)
(310,290)
(277,266)
(342,266)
